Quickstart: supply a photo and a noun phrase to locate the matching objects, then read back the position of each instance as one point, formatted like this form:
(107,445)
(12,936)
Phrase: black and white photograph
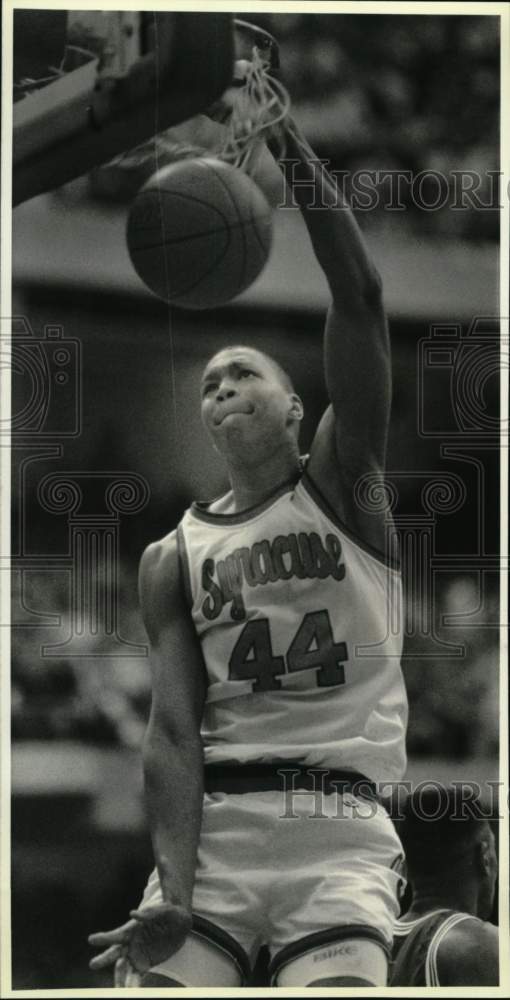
(254,418)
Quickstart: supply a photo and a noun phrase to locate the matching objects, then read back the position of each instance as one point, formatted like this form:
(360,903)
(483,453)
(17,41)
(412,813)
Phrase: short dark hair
(283,375)
(439,829)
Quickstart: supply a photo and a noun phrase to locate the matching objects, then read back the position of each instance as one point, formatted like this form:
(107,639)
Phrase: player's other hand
(153,934)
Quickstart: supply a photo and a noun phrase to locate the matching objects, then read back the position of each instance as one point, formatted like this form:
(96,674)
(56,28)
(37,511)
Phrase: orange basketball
(199,232)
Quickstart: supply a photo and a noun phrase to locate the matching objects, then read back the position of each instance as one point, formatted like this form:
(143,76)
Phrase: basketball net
(258,107)
(236,127)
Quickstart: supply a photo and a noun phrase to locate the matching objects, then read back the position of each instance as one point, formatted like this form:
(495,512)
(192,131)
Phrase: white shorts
(292,878)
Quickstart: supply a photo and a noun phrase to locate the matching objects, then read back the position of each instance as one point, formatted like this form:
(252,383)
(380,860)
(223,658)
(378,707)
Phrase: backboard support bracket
(88,116)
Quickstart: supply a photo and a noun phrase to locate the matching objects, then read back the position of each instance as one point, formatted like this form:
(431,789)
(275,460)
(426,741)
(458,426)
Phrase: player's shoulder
(161,551)
(470,931)
(468,954)
(160,556)
(159,569)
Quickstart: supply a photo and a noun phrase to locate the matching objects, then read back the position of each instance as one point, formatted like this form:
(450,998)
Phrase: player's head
(249,405)
(449,848)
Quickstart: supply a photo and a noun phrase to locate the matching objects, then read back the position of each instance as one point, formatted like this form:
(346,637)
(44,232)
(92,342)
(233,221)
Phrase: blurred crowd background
(394,92)
(407,93)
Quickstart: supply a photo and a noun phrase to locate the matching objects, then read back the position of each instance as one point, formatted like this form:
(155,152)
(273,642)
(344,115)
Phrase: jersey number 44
(313,647)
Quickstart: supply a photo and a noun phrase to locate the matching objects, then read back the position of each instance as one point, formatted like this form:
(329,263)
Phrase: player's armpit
(469,955)
(341,489)
(351,440)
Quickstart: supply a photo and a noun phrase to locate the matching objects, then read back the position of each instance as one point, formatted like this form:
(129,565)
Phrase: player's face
(488,887)
(245,407)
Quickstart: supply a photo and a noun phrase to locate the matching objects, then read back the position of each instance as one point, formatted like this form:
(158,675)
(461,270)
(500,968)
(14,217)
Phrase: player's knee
(155,979)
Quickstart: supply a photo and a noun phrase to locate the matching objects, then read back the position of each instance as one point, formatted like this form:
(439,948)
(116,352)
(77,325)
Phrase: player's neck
(446,897)
(252,485)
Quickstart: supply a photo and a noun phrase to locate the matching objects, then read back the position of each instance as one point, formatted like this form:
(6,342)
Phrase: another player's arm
(352,436)
(469,955)
(172,750)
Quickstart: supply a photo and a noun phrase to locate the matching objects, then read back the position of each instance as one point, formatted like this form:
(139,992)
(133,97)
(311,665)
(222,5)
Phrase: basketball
(199,232)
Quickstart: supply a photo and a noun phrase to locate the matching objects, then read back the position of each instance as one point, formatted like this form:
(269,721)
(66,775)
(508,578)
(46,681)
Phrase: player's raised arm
(351,439)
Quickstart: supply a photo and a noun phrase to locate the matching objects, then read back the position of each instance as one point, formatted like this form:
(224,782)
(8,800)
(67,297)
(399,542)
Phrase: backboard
(88,85)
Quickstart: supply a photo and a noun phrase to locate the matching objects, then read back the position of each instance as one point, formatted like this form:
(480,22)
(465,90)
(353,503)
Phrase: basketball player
(287,581)
(443,939)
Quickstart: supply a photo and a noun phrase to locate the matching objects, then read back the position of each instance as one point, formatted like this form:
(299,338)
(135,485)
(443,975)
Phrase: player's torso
(415,946)
(301,634)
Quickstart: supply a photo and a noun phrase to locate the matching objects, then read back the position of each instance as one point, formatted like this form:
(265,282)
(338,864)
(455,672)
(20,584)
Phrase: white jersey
(301,632)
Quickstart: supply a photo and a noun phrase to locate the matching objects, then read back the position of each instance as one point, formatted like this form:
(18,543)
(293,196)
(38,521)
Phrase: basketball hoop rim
(265,39)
